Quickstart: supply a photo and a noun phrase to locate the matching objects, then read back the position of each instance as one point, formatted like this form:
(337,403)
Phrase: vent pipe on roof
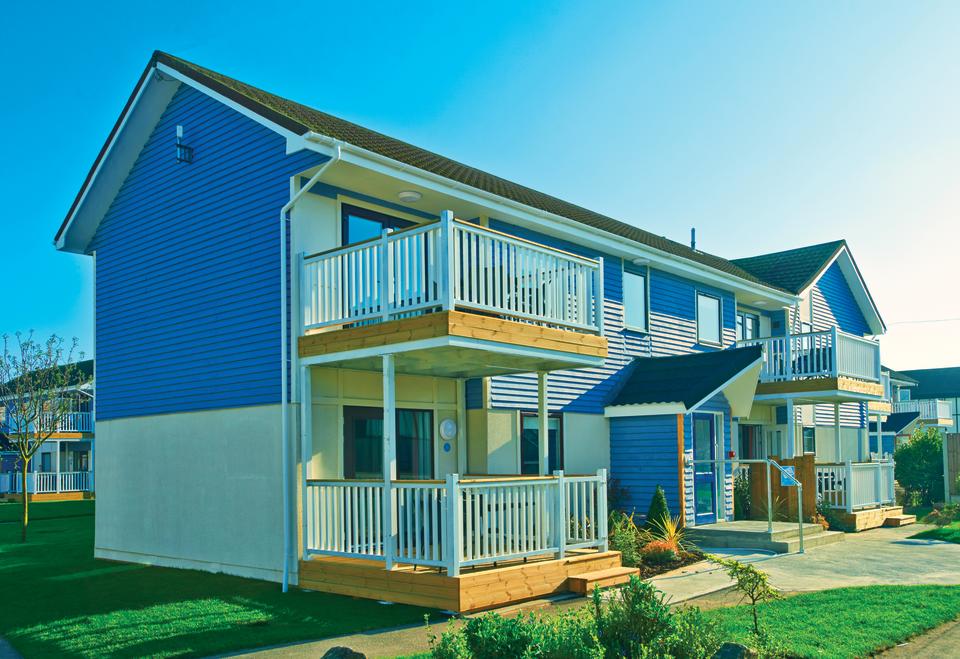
(693,238)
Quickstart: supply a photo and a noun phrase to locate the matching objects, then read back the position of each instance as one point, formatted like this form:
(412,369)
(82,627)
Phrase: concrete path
(944,641)
(881,556)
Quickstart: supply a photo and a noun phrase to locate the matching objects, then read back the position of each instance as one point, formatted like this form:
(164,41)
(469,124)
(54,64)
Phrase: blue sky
(764,125)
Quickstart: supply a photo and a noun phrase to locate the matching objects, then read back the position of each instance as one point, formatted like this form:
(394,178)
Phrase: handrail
(783,472)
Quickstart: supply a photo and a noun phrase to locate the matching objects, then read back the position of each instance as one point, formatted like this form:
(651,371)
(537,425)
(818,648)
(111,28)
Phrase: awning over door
(681,384)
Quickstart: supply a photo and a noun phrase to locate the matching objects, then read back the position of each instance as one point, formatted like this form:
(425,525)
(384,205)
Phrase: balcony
(932,412)
(458,284)
(71,423)
(822,361)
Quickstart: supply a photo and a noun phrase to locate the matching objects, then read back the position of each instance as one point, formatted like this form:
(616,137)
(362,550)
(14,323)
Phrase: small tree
(34,378)
(658,511)
(918,464)
(750,582)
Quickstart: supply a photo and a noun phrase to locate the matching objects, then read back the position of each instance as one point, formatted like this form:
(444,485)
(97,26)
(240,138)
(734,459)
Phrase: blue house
(364,360)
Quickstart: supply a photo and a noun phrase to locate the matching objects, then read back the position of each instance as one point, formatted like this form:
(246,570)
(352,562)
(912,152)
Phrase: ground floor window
(530,443)
(751,443)
(809,439)
(363,443)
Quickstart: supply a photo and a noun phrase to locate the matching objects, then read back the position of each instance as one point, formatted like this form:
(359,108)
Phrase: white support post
(544,422)
(389,457)
(448,270)
(462,426)
(848,485)
(791,429)
(57,467)
(600,298)
(454,522)
(787,347)
(385,278)
(879,436)
(835,367)
(878,481)
(93,452)
(560,515)
(306,455)
(836,428)
(601,521)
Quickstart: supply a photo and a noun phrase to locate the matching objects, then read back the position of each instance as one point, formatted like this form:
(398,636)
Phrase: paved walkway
(944,641)
(880,556)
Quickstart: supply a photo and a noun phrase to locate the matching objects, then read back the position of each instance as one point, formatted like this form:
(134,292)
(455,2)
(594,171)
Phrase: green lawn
(59,601)
(847,622)
(950,533)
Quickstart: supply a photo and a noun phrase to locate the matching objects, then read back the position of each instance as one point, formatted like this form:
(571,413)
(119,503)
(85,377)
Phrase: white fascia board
(748,377)
(574,231)
(112,169)
(857,286)
(644,409)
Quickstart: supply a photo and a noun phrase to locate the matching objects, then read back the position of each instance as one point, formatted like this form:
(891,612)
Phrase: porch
(462,544)
(48,485)
(931,412)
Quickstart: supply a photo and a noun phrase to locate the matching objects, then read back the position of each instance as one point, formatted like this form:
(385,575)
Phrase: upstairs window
(748,326)
(361,224)
(708,319)
(635,301)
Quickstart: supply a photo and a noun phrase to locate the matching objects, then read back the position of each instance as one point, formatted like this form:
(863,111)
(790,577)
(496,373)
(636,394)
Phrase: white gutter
(628,248)
(284,411)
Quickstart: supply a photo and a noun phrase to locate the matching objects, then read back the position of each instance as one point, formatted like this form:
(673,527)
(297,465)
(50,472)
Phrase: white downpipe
(284,419)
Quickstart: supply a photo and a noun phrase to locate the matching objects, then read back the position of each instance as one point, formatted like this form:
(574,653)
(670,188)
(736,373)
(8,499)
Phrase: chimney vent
(693,238)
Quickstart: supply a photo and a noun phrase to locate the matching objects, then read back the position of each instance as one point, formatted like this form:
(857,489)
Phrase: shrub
(625,537)
(492,635)
(658,508)
(635,620)
(659,552)
(693,636)
(572,635)
(919,465)
(742,498)
(669,530)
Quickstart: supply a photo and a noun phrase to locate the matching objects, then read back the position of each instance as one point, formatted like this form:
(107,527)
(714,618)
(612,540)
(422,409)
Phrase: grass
(846,622)
(59,601)
(949,533)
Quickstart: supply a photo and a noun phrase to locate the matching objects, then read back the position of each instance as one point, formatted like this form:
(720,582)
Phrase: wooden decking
(821,386)
(476,589)
(457,324)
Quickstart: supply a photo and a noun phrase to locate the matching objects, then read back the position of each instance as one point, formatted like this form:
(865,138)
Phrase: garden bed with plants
(654,546)
(947,521)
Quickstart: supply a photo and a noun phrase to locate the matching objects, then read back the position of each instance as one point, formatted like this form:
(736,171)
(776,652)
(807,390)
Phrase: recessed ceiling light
(640,261)
(761,303)
(409,196)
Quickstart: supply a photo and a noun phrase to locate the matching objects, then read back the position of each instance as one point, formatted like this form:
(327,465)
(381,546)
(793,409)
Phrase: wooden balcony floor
(825,389)
(455,344)
(475,589)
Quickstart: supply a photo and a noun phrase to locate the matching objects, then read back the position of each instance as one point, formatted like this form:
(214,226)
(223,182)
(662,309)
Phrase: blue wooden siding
(187,277)
(643,454)
(833,304)
(672,331)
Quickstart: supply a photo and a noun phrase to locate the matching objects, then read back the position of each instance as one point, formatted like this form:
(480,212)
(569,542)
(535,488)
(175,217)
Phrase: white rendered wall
(192,490)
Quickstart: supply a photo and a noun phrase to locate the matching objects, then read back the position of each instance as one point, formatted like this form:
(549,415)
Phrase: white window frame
(701,340)
(646,300)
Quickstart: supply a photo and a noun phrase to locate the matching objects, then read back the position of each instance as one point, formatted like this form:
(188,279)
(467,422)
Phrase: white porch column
(56,467)
(306,455)
(389,456)
(90,465)
(791,429)
(543,414)
(461,426)
(879,435)
(836,429)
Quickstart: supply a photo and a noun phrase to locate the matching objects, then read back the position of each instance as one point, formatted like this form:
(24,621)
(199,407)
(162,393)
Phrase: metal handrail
(783,472)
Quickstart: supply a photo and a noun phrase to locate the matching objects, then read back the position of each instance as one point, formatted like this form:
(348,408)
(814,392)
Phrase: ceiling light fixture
(409,196)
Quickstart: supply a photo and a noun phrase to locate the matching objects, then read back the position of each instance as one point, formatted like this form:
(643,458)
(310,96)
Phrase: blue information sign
(787,477)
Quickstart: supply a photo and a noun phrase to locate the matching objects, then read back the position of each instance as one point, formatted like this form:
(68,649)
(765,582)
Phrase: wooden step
(900,520)
(584,583)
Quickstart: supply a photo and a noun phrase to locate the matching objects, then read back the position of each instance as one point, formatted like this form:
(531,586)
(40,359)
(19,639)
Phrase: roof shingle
(792,269)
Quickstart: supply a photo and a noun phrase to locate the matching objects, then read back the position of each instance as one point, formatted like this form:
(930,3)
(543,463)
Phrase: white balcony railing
(48,482)
(829,353)
(928,409)
(457,522)
(854,485)
(71,422)
(451,264)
